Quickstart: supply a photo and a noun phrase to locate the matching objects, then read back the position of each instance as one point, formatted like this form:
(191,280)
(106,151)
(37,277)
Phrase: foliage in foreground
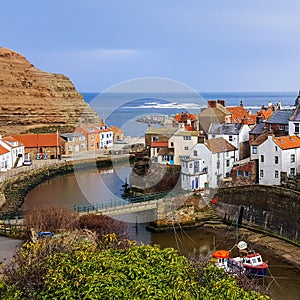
(78,266)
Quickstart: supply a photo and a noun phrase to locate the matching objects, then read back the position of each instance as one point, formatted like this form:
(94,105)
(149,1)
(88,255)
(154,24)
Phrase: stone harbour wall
(272,208)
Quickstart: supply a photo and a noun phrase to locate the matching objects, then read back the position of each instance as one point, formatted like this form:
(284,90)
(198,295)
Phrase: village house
(182,142)
(97,136)
(16,149)
(5,158)
(208,163)
(278,123)
(40,145)
(235,134)
(294,119)
(161,153)
(186,120)
(215,112)
(158,134)
(278,156)
(239,115)
(118,134)
(244,172)
(73,142)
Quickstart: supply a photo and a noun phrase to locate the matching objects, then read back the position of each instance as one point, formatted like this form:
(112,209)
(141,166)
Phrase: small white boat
(249,262)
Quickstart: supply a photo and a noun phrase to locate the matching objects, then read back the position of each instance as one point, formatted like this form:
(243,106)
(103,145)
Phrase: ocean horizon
(122,109)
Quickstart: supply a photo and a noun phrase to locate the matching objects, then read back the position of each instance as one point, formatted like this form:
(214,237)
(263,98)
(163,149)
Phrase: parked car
(27,162)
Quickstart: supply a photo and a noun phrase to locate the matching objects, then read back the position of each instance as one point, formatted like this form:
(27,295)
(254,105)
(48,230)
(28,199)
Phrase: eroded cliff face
(31,98)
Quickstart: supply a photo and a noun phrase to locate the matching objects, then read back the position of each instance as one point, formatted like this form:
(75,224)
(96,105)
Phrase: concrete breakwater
(14,189)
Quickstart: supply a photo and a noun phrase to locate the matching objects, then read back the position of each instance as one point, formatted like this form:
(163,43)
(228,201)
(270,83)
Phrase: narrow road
(8,248)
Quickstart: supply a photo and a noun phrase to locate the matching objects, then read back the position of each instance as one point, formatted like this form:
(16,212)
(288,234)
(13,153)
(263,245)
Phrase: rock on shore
(31,98)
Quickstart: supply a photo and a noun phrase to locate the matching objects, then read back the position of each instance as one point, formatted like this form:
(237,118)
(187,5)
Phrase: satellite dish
(242,245)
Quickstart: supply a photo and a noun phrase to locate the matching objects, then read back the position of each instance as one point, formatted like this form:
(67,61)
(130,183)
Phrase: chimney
(258,119)
(241,104)
(222,102)
(201,139)
(212,103)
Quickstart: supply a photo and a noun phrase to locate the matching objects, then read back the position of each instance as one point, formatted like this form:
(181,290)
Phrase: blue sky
(210,45)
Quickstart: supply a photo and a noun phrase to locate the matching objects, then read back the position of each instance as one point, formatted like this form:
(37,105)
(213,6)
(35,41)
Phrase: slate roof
(258,128)
(161,130)
(219,145)
(230,129)
(71,134)
(280,117)
(295,116)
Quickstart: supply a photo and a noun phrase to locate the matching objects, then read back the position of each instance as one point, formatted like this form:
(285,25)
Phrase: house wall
(179,142)
(292,130)
(4,161)
(278,129)
(268,167)
(77,145)
(106,139)
(239,177)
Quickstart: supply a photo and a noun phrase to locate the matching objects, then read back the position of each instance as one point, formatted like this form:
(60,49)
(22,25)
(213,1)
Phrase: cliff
(31,98)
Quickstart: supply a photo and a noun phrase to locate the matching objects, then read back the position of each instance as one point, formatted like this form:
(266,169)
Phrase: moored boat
(249,262)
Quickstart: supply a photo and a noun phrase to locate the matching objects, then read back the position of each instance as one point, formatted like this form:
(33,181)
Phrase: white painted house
(16,150)
(106,136)
(5,158)
(182,142)
(276,155)
(235,134)
(214,158)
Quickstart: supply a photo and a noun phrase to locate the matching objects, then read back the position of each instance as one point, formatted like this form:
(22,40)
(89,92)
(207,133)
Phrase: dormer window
(296,127)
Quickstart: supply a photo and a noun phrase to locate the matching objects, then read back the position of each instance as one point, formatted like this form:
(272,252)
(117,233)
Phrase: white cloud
(110,53)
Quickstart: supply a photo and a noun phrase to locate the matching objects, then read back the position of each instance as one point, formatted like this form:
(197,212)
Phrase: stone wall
(272,208)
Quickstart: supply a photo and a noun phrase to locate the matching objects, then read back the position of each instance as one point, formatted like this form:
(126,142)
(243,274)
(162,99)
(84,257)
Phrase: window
(276,149)
(254,149)
(70,139)
(92,145)
(239,173)
(186,148)
(292,171)
(230,138)
(261,173)
(187,138)
(81,138)
(262,158)
(195,153)
(292,158)
(154,138)
(172,144)
(296,127)
(276,159)
(70,148)
(190,165)
(92,137)
(227,163)
(281,127)
(276,174)
(246,174)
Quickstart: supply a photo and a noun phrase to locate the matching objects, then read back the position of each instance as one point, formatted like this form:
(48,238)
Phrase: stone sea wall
(272,208)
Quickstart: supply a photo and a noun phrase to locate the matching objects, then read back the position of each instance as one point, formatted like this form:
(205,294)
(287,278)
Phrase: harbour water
(64,190)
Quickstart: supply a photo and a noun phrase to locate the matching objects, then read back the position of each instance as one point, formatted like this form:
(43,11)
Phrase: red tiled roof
(3,150)
(189,128)
(266,114)
(187,116)
(38,140)
(9,139)
(159,144)
(239,114)
(287,142)
(116,129)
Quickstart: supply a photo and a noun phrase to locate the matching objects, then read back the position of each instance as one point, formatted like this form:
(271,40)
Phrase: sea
(123,109)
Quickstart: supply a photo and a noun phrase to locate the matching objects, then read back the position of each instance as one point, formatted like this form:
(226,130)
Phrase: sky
(215,45)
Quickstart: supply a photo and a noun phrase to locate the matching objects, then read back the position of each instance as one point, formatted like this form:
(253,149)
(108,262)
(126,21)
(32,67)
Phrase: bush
(72,267)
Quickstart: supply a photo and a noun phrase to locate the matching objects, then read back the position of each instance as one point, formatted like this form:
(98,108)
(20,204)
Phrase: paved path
(8,248)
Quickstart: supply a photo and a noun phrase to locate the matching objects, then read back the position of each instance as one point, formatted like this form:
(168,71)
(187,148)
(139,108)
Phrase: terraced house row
(230,145)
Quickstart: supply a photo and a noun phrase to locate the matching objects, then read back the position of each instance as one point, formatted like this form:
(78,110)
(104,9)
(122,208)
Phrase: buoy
(214,201)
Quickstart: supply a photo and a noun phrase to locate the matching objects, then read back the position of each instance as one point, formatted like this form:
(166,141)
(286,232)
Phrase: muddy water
(66,190)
